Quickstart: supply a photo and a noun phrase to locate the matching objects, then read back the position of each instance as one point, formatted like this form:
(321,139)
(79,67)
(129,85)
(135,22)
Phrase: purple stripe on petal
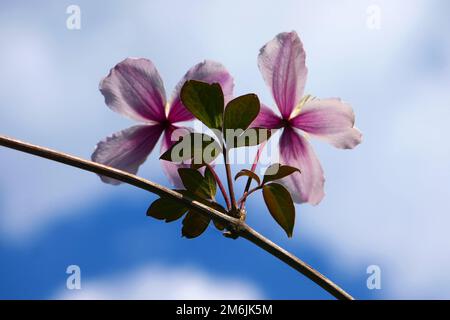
(128,149)
(135,89)
(171,136)
(267,119)
(207,71)
(297,152)
(282,65)
(330,120)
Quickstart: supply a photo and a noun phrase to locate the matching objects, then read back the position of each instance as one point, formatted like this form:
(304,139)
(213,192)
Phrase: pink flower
(135,89)
(282,64)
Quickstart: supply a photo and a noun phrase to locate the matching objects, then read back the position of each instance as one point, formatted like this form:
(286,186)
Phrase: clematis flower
(135,89)
(282,65)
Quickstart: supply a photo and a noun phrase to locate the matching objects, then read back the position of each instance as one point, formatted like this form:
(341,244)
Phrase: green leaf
(248,173)
(198,147)
(191,180)
(280,205)
(205,101)
(166,209)
(197,166)
(250,137)
(194,224)
(220,226)
(194,182)
(211,182)
(278,171)
(240,112)
(206,202)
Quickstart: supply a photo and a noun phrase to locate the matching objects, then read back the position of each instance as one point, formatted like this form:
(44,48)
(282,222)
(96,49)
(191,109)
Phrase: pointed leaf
(198,147)
(205,101)
(280,205)
(194,224)
(166,209)
(220,226)
(211,182)
(194,182)
(248,173)
(240,112)
(197,166)
(209,203)
(278,171)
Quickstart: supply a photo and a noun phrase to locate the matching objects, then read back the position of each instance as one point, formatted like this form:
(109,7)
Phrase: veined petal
(206,71)
(282,65)
(135,89)
(297,152)
(330,120)
(170,137)
(128,149)
(267,119)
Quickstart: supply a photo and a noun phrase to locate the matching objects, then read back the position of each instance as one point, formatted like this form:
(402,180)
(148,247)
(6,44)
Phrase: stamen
(299,106)
(167,109)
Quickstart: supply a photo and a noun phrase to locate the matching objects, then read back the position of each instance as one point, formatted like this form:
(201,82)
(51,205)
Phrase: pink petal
(267,119)
(296,151)
(135,89)
(207,71)
(171,136)
(282,64)
(331,120)
(128,149)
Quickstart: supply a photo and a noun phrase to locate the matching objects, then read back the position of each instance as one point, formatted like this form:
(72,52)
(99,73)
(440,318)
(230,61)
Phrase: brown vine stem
(238,226)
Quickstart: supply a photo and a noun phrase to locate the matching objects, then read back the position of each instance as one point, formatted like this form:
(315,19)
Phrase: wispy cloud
(386,200)
(162,282)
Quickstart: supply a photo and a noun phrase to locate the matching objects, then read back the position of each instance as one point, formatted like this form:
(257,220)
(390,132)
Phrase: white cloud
(392,210)
(49,85)
(49,97)
(388,202)
(156,282)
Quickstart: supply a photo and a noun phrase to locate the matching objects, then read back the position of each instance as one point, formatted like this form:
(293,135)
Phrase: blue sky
(386,200)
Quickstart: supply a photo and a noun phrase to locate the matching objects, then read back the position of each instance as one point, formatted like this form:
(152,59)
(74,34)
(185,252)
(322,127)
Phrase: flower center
(165,123)
(285,122)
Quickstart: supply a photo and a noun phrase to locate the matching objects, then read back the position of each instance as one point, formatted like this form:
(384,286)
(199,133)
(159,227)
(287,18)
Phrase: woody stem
(239,226)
